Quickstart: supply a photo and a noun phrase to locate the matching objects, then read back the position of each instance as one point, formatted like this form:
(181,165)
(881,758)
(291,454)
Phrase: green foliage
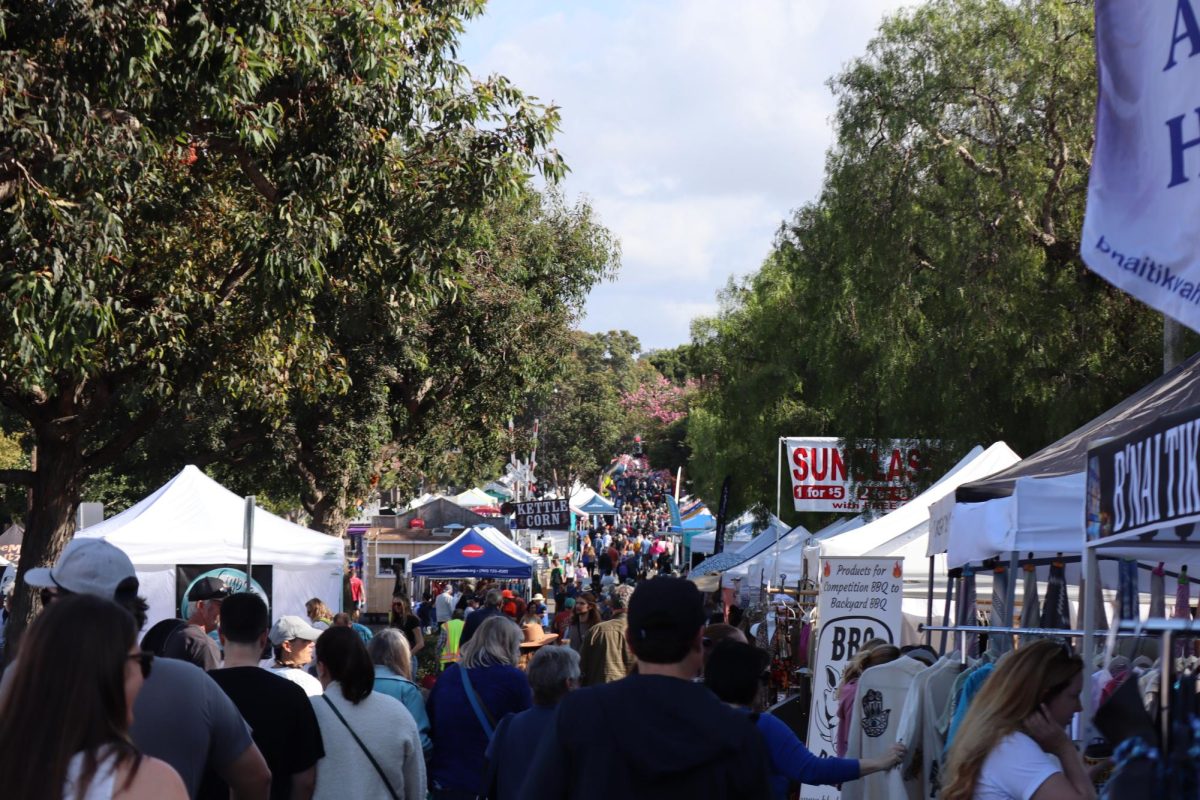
(191,191)
(429,390)
(934,289)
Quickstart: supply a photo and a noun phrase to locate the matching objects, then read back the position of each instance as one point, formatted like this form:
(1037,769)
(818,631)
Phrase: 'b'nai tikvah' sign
(1146,480)
(1141,232)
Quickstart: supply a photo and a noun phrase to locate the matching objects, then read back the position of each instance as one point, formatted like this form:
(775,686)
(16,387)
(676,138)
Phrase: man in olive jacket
(605,656)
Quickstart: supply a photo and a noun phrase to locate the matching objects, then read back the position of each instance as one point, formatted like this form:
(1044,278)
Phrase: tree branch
(260,181)
(108,453)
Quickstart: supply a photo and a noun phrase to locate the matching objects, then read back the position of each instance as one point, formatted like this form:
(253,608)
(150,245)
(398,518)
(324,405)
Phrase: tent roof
(598,505)
(759,544)
(877,535)
(13,536)
(481,551)
(1174,391)
(473,497)
(192,519)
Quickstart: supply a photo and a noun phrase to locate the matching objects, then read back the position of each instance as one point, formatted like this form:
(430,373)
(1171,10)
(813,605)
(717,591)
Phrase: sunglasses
(144,661)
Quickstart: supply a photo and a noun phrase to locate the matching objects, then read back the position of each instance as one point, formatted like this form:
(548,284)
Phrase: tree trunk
(329,517)
(51,520)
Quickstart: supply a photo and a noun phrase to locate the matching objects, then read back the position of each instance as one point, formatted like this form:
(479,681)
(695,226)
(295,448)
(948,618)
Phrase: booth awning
(480,552)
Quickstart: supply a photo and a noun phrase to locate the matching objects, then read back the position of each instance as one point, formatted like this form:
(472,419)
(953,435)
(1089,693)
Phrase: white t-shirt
(311,686)
(1015,769)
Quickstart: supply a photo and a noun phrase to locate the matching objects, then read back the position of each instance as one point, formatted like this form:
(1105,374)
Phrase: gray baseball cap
(87,566)
(292,627)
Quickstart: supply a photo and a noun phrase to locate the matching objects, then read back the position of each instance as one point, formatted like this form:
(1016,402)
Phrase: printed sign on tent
(859,601)
(1140,231)
(1146,480)
(822,481)
(544,515)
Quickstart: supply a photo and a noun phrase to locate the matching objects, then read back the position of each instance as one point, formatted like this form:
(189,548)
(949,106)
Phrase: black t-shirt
(282,722)
(408,626)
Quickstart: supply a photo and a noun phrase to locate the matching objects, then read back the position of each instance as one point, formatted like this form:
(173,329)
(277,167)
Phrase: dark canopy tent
(476,553)
(1174,391)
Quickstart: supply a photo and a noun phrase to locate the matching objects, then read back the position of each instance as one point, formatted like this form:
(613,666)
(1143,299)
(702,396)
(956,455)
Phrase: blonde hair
(496,641)
(317,610)
(872,654)
(1023,680)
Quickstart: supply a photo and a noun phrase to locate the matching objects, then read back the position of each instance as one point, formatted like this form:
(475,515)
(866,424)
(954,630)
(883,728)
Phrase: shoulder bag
(382,776)
(481,711)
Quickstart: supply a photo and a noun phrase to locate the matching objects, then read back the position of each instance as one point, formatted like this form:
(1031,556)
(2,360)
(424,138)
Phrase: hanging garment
(882,692)
(1001,614)
(1138,773)
(1183,596)
(1127,589)
(1097,594)
(1056,611)
(1158,592)
(919,773)
(967,611)
(970,688)
(1031,613)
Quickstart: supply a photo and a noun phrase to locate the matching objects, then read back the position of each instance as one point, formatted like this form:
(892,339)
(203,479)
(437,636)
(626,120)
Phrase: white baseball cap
(87,566)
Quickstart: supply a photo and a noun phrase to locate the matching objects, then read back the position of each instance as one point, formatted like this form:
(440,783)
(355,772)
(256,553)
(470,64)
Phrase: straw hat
(535,637)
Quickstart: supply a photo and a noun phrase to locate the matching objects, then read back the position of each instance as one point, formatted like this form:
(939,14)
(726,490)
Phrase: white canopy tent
(472,498)
(739,531)
(194,520)
(904,533)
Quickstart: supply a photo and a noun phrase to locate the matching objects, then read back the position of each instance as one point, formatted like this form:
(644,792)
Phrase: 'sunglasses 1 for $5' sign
(823,481)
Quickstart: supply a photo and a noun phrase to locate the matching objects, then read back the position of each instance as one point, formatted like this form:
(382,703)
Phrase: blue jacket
(408,693)
(459,740)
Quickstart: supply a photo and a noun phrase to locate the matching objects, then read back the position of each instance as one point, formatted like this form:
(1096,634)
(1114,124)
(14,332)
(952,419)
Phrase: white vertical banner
(1140,232)
(859,600)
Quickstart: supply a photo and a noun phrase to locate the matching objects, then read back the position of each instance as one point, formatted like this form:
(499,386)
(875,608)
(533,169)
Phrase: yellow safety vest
(453,629)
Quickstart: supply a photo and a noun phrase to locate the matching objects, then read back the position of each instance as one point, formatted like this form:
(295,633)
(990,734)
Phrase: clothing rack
(1167,629)
(1065,633)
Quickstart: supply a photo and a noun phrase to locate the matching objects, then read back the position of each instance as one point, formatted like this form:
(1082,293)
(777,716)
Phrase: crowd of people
(228,703)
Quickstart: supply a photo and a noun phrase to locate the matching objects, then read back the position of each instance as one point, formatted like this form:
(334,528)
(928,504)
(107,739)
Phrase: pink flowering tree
(657,402)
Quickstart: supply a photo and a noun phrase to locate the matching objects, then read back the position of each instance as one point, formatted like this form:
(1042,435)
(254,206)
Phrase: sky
(693,127)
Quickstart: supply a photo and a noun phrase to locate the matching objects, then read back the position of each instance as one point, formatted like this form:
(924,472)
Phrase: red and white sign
(473,551)
(822,481)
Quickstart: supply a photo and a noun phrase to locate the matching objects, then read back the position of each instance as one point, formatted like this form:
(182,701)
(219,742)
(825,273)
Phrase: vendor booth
(193,526)
(479,552)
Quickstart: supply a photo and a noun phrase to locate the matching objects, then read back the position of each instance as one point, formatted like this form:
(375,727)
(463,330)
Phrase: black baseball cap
(665,607)
(208,589)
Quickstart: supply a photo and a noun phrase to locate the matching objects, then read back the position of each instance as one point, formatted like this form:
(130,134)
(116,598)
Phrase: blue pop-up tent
(598,505)
(480,552)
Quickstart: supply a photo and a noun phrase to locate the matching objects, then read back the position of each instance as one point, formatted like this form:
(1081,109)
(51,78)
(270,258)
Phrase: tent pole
(929,604)
(248,532)
(778,508)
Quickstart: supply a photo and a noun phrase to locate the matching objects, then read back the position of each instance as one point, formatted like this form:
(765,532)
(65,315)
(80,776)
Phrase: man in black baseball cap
(191,642)
(703,748)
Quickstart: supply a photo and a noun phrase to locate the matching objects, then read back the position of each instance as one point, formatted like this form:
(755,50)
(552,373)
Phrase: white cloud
(694,126)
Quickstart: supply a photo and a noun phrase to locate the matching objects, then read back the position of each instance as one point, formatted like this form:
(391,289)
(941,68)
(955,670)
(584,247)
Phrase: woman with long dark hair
(64,723)
(372,746)
(586,615)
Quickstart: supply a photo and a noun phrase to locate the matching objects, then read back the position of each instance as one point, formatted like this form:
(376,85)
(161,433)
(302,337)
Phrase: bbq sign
(822,481)
(544,515)
(1146,480)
